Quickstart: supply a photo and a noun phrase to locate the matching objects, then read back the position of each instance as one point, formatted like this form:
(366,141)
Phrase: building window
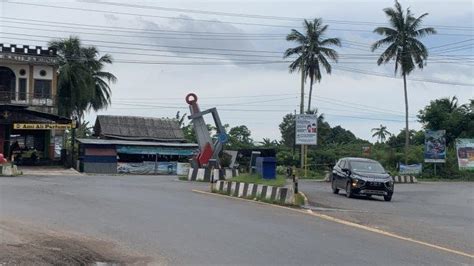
(42,88)
(22,89)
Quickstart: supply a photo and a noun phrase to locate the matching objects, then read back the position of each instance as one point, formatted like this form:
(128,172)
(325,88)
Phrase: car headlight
(357,181)
(390,183)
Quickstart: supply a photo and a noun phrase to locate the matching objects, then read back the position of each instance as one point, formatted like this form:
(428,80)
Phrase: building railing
(29,99)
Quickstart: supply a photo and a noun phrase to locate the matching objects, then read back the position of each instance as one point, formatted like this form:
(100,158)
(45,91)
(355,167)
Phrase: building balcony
(28,99)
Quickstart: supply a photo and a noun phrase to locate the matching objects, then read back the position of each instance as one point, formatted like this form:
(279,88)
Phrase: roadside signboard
(306,132)
(35,126)
(465,153)
(410,169)
(435,146)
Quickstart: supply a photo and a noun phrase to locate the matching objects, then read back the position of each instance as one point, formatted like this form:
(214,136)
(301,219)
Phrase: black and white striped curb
(283,195)
(405,179)
(205,174)
(396,179)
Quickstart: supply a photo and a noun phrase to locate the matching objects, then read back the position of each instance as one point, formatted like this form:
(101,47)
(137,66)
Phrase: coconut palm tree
(82,83)
(404,47)
(313,53)
(381,133)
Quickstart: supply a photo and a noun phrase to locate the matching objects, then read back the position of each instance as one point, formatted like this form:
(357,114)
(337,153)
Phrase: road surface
(158,220)
(436,212)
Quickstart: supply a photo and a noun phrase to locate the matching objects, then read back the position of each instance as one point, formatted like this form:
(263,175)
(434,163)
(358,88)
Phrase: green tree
(312,53)
(83,84)
(381,133)
(287,130)
(240,137)
(404,47)
(268,143)
(180,118)
(446,114)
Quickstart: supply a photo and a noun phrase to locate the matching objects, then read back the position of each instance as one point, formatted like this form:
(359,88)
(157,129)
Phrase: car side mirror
(346,170)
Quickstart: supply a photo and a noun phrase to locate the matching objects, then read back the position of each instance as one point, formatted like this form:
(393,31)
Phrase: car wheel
(348,190)
(387,198)
(335,190)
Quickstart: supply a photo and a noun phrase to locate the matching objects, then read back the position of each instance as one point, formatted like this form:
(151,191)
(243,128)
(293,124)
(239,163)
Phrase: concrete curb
(282,195)
(306,201)
(205,174)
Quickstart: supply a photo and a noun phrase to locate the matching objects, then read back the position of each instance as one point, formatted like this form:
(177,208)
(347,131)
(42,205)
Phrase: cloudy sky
(230,54)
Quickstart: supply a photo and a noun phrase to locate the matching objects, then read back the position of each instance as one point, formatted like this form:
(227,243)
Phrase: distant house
(136,145)
(138,128)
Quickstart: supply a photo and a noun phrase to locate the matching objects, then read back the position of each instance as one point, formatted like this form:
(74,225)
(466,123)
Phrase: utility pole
(302,112)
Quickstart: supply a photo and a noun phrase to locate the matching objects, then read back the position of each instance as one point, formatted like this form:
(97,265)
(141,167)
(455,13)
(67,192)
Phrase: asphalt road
(435,212)
(161,219)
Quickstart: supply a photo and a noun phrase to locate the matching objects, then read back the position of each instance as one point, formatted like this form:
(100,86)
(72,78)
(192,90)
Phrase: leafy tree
(381,133)
(180,118)
(313,53)
(404,47)
(268,143)
(397,141)
(82,83)
(239,137)
(339,135)
(287,130)
(446,114)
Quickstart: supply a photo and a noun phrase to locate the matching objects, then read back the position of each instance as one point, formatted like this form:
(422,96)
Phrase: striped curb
(405,179)
(283,195)
(396,179)
(205,174)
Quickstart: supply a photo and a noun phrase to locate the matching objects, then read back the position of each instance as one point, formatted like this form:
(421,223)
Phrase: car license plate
(377,192)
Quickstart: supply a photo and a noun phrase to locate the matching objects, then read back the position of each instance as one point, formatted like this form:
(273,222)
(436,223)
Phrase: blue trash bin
(266,167)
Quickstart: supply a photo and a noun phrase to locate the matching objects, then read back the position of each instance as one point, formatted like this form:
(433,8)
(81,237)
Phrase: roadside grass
(315,175)
(183,178)
(280,180)
(446,179)
(299,199)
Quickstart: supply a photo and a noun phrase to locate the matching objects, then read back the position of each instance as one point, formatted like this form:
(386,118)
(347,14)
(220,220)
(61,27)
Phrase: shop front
(30,137)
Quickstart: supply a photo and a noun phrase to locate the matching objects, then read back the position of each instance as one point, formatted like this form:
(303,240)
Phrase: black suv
(360,176)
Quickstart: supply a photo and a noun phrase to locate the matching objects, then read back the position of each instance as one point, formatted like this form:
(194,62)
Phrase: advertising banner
(435,146)
(147,168)
(465,153)
(410,169)
(306,132)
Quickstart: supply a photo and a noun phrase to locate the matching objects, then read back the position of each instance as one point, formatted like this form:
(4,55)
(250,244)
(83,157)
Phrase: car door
(335,171)
(341,174)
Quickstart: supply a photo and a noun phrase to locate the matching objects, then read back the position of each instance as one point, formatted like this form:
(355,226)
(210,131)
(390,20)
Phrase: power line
(201,20)
(148,7)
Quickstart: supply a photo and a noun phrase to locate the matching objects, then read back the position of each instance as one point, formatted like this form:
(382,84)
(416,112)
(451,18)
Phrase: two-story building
(30,128)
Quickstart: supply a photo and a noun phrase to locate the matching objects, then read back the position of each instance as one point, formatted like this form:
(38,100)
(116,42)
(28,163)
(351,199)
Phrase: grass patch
(316,175)
(299,199)
(183,178)
(445,179)
(280,180)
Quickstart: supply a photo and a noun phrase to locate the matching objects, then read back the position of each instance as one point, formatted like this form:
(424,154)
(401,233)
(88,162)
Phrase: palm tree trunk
(301,112)
(407,131)
(310,94)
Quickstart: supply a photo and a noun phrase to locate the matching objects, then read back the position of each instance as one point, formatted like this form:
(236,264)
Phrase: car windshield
(367,167)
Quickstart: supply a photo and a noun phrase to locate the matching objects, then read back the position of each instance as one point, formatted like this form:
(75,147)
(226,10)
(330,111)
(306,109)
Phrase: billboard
(306,131)
(435,146)
(465,153)
(410,169)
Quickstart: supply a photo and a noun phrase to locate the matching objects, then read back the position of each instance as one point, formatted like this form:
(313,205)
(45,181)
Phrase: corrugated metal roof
(138,128)
(135,143)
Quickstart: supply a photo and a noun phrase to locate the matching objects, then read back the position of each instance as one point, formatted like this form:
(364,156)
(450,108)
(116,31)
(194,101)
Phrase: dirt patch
(23,245)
